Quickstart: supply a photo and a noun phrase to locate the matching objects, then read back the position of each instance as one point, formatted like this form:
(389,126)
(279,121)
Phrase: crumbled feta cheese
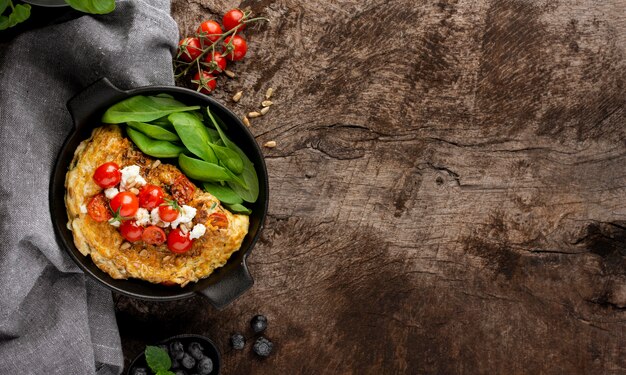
(131,176)
(154,216)
(110,193)
(83,209)
(198,231)
(142,217)
(115,222)
(185,216)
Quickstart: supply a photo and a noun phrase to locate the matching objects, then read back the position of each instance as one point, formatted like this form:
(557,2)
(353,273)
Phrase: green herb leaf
(224,193)
(154,147)
(93,6)
(20,13)
(194,135)
(229,158)
(154,131)
(143,109)
(4,22)
(239,209)
(158,359)
(201,170)
(3,5)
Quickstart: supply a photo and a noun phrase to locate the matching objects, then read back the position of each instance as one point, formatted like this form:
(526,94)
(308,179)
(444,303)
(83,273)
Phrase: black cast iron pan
(226,283)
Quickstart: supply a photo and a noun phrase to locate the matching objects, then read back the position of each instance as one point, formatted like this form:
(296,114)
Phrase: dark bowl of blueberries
(186,355)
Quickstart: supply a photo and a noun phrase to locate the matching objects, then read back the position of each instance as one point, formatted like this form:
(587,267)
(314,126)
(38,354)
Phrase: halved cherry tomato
(107,175)
(125,204)
(209,30)
(131,231)
(205,84)
(150,197)
(178,242)
(219,220)
(189,49)
(232,18)
(153,235)
(216,63)
(168,212)
(182,189)
(235,48)
(97,208)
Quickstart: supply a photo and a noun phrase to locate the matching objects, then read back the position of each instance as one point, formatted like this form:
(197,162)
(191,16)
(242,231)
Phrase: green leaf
(214,136)
(239,209)
(224,193)
(19,14)
(4,22)
(194,135)
(158,359)
(154,131)
(143,109)
(201,170)
(3,5)
(93,6)
(229,158)
(154,147)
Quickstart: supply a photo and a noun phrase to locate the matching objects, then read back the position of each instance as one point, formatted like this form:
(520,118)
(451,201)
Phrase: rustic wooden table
(448,193)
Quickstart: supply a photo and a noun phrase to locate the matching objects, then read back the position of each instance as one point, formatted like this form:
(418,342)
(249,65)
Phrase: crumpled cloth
(53,318)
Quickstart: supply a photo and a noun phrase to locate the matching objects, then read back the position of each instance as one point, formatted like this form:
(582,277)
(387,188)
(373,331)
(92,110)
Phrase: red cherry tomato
(150,197)
(189,49)
(182,189)
(125,204)
(218,220)
(178,242)
(238,48)
(153,235)
(216,63)
(209,30)
(97,208)
(107,175)
(206,84)
(168,212)
(131,231)
(232,19)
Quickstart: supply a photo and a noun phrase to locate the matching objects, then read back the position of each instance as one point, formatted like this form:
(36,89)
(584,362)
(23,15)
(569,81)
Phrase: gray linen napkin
(53,320)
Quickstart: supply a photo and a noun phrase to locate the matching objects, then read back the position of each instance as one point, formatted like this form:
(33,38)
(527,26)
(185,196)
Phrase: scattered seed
(237,96)
(265,110)
(125,245)
(166,258)
(268,93)
(184,229)
(246,122)
(254,114)
(134,191)
(229,73)
(156,164)
(143,253)
(266,103)
(270,144)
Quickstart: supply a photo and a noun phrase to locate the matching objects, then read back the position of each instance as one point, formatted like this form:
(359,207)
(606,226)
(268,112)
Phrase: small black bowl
(210,350)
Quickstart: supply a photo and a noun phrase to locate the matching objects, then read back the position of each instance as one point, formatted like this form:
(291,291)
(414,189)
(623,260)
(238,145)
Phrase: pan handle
(230,287)
(100,93)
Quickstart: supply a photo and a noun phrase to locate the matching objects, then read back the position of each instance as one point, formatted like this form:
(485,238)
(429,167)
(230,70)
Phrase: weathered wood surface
(448,194)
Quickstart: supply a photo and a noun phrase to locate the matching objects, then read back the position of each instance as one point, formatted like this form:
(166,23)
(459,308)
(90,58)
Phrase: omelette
(154,263)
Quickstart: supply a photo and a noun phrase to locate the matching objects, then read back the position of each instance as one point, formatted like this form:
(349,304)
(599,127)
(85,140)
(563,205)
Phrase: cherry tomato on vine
(131,231)
(232,19)
(153,235)
(168,212)
(206,84)
(125,204)
(209,30)
(107,175)
(215,62)
(189,49)
(150,197)
(97,208)
(178,242)
(235,48)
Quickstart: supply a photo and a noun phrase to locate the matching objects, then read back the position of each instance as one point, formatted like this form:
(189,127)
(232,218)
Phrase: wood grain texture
(447,193)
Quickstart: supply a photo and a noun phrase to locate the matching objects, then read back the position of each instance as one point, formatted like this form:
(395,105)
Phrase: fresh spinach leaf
(154,131)
(239,209)
(223,193)
(154,147)
(143,109)
(228,157)
(201,170)
(93,6)
(157,358)
(194,135)
(20,13)
(3,5)
(4,22)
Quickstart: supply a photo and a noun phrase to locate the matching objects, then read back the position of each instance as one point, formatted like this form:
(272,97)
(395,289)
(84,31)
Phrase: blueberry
(237,341)
(258,323)
(205,366)
(188,362)
(195,349)
(140,371)
(263,346)
(177,350)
